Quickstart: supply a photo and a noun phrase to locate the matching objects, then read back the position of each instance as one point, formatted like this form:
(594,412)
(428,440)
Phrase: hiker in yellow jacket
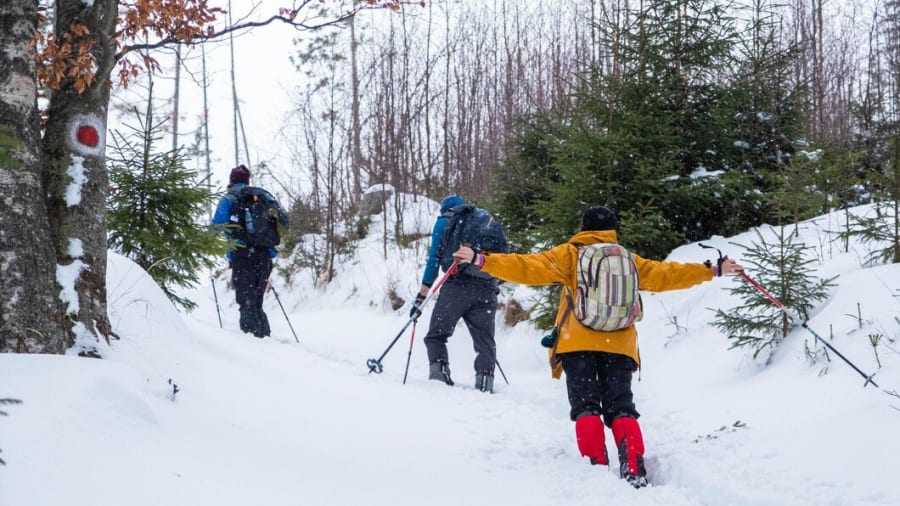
(598,365)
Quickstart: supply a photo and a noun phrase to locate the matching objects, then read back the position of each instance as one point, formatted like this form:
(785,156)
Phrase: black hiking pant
(473,299)
(250,270)
(599,383)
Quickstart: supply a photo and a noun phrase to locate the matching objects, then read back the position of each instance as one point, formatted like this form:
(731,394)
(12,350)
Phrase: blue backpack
(474,227)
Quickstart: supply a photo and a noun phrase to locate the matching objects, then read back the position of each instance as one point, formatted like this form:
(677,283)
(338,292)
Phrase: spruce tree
(521,182)
(644,229)
(882,230)
(782,265)
(155,209)
(793,196)
(663,109)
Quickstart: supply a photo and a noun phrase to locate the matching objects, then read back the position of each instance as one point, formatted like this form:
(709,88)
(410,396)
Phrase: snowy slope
(276,422)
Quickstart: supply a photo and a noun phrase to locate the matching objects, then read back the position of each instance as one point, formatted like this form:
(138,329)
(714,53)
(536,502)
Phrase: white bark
(30,318)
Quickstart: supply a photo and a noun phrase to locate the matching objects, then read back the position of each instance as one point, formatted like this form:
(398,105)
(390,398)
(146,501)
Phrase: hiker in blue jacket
(470,295)
(250,265)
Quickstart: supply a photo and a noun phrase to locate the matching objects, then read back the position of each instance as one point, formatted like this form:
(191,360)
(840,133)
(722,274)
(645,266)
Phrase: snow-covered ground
(276,422)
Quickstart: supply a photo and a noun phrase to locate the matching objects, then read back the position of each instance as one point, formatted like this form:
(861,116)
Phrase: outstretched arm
(658,276)
(544,268)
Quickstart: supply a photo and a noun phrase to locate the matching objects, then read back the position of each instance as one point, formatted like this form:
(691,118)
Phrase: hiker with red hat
(595,340)
(253,219)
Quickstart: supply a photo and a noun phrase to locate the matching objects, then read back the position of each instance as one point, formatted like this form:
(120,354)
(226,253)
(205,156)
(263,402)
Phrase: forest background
(692,118)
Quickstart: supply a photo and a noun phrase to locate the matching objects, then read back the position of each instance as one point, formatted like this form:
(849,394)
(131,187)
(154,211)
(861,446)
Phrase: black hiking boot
(440,370)
(636,480)
(484,382)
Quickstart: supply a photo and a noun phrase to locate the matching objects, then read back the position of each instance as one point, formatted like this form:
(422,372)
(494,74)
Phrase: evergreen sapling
(155,207)
(3,413)
(781,264)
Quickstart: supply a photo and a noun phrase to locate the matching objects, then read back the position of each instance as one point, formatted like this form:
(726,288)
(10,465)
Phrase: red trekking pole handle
(374,364)
(748,278)
(450,272)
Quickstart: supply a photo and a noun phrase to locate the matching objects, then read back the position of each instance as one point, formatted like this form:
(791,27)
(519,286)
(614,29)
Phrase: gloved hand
(416,311)
(717,270)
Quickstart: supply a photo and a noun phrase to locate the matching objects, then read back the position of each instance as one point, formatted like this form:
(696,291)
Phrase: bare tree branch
(300,26)
(287,16)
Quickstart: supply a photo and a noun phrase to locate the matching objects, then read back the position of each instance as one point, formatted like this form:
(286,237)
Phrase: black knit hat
(239,174)
(599,218)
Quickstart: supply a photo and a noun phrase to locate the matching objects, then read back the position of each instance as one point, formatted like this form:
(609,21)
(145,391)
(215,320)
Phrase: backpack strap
(237,193)
(445,238)
(570,304)
(554,358)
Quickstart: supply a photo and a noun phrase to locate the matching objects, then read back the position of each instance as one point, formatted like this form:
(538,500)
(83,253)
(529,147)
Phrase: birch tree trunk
(30,309)
(76,179)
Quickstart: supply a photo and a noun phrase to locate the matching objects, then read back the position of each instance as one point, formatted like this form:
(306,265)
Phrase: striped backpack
(607,296)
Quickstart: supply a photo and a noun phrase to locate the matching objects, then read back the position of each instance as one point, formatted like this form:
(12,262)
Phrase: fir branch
(3,413)
(8,401)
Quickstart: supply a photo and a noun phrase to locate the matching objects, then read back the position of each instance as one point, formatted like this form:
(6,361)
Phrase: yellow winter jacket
(558,266)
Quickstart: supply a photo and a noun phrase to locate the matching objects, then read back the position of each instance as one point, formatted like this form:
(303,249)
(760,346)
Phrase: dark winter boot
(630,443)
(440,370)
(484,381)
(248,320)
(591,440)
(262,325)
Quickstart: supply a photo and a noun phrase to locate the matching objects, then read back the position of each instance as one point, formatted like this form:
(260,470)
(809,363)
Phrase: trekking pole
(803,323)
(412,337)
(212,279)
(375,364)
(501,371)
(271,287)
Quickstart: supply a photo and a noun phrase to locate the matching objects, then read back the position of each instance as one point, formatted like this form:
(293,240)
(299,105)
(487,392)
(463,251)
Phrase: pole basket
(374,366)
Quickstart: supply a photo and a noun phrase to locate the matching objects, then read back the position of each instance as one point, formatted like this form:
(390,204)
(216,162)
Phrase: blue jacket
(223,214)
(432,265)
